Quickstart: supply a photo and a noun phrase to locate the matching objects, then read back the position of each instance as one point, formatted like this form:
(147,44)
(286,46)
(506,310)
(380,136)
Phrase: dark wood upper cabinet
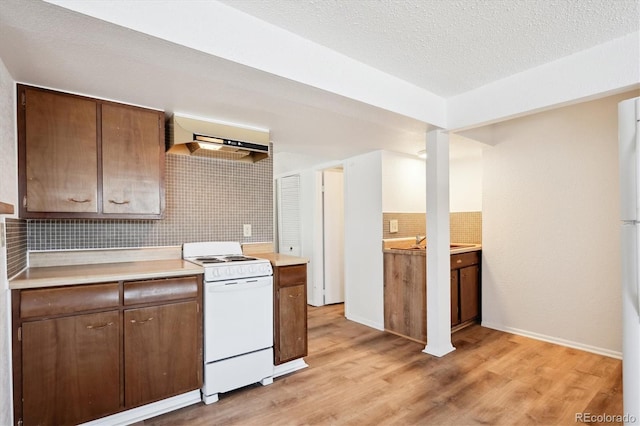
(61,153)
(80,157)
(130,161)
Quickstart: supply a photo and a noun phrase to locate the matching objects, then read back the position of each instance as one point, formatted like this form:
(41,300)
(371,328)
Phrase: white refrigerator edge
(629,144)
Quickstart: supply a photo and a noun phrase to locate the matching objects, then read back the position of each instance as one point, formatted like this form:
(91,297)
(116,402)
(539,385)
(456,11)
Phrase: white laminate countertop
(49,276)
(408,246)
(279,259)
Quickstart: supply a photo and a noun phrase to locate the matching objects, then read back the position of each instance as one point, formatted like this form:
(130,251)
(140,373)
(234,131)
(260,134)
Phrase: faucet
(420,239)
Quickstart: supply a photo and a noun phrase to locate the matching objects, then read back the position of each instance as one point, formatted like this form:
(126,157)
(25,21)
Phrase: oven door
(238,317)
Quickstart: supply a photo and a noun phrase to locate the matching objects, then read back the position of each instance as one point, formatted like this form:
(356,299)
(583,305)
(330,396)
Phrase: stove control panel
(233,270)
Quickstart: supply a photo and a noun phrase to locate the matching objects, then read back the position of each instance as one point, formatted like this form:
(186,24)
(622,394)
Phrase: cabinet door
(60,153)
(455,312)
(292,323)
(162,352)
(469,293)
(71,368)
(132,151)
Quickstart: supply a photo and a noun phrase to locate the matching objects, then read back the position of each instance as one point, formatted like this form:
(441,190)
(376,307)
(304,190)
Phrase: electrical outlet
(393,226)
(246,230)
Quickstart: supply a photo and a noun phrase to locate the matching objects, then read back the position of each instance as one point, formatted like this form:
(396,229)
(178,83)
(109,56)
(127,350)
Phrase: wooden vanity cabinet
(455,297)
(405,300)
(87,351)
(405,295)
(465,280)
(81,157)
(290,312)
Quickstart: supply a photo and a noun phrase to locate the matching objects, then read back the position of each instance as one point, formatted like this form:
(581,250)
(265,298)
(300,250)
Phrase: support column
(438,239)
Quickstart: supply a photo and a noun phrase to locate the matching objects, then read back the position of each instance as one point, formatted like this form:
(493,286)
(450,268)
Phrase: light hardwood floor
(361,376)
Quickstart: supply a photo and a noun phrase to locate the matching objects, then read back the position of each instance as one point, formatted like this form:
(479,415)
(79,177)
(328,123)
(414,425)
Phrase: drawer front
(465,259)
(292,275)
(160,290)
(66,300)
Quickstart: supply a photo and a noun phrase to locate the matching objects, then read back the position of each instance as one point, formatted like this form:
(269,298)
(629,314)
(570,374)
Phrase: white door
(288,212)
(333,235)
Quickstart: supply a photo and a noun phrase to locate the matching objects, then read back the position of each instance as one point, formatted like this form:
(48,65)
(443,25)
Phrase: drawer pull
(459,261)
(119,202)
(294,295)
(143,321)
(97,327)
(73,200)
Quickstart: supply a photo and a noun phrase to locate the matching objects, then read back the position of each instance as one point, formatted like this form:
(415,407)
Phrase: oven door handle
(239,285)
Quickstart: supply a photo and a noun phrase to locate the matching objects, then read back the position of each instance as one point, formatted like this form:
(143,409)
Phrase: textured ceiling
(445,46)
(451,46)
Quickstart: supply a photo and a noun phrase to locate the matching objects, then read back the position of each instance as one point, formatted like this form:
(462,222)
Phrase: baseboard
(556,340)
(147,411)
(364,321)
(289,367)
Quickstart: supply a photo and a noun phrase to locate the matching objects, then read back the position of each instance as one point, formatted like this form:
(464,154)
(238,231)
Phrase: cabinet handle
(143,321)
(73,200)
(96,327)
(295,295)
(459,261)
(119,202)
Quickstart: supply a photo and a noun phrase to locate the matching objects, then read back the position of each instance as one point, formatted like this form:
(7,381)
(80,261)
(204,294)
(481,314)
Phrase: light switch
(393,226)
(246,230)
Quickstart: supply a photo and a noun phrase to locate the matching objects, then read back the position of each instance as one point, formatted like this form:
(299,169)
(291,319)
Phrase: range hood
(208,138)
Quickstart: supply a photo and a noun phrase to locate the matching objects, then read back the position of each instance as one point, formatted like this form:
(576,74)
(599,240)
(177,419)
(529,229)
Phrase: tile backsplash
(465,227)
(16,232)
(206,200)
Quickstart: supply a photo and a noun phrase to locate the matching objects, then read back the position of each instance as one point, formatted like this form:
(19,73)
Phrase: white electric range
(238,317)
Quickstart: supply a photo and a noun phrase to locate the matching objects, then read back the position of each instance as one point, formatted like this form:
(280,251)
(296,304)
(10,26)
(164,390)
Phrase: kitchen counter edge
(51,276)
(409,252)
(279,259)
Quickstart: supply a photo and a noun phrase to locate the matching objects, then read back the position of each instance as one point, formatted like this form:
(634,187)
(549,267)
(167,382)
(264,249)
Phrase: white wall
(363,236)
(403,183)
(465,184)
(551,252)
(8,194)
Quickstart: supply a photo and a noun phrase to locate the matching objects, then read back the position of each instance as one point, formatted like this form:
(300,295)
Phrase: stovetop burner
(209,260)
(237,258)
(223,259)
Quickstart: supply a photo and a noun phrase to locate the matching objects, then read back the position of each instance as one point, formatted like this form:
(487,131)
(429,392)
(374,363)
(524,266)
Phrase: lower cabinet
(405,300)
(71,368)
(87,351)
(465,288)
(405,295)
(160,345)
(290,313)
(469,293)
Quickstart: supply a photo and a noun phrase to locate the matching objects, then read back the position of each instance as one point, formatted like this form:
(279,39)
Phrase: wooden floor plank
(361,376)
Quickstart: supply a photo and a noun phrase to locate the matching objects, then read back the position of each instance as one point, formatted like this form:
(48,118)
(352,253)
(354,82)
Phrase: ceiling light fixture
(423,154)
